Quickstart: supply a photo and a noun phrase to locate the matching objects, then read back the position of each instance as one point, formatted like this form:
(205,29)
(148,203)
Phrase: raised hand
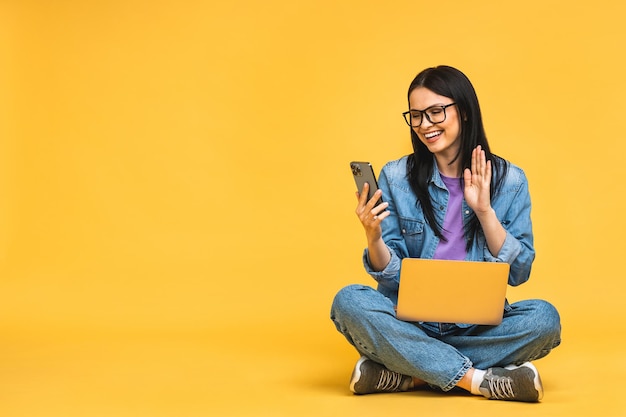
(477,182)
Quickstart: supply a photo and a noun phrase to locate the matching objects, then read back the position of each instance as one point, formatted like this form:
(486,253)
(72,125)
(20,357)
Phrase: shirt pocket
(413,233)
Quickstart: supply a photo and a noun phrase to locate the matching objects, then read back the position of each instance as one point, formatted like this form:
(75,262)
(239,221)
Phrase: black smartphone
(364,173)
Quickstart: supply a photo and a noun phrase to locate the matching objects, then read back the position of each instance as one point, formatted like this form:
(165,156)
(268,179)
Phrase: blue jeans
(437,353)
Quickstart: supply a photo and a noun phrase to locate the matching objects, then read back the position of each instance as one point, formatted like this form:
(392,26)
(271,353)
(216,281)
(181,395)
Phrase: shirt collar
(435,178)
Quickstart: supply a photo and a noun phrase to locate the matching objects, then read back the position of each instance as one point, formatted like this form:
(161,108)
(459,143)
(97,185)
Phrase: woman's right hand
(370,214)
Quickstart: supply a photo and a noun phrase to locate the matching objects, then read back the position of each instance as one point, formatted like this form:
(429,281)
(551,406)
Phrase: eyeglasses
(434,114)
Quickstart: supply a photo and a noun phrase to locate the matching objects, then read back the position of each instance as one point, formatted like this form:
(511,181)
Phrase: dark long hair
(449,82)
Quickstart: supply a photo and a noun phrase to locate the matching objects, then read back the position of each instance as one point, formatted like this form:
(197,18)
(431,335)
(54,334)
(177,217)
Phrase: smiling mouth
(432,135)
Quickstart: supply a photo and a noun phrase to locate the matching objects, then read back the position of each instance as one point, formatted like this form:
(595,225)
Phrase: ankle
(416,383)
(466,382)
(477,379)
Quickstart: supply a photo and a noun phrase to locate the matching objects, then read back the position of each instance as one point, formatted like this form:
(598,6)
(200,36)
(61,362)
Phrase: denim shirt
(407,234)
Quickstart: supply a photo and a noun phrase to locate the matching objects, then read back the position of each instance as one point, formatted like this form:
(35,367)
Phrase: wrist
(485,214)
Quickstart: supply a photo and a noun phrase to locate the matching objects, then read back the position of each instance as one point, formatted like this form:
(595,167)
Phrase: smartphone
(364,173)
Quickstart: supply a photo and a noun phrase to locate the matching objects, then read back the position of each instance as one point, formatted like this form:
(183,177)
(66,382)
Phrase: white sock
(477,379)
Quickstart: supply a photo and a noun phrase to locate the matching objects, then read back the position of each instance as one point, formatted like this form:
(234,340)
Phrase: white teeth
(431,134)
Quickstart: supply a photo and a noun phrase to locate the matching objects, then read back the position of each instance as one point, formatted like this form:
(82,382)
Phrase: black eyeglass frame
(407,114)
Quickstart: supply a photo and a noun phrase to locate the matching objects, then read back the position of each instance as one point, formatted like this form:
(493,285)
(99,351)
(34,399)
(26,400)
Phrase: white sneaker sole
(356,374)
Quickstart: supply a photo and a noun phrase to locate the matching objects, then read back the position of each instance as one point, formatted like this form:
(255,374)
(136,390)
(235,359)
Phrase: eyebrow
(429,107)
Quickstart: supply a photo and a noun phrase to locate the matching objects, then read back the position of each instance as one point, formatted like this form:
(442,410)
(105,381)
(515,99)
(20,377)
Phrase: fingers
(482,161)
(368,212)
(481,168)
(371,210)
(362,196)
(478,158)
(474,158)
(467,177)
(373,218)
(362,199)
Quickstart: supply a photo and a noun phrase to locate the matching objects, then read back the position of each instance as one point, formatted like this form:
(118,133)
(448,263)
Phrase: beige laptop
(452,291)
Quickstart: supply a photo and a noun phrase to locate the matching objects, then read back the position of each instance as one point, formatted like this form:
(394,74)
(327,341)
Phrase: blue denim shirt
(407,234)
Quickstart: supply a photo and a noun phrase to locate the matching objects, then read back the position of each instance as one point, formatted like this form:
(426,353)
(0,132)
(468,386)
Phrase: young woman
(451,199)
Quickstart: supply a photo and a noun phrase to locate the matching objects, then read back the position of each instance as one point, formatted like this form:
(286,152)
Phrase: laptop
(434,290)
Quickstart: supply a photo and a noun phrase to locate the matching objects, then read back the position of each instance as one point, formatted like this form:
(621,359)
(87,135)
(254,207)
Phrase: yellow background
(176,208)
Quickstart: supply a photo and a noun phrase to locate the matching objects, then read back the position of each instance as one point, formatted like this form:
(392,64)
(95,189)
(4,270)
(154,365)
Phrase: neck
(449,170)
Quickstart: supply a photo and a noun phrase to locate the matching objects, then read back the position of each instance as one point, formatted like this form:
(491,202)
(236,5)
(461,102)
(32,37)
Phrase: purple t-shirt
(454,247)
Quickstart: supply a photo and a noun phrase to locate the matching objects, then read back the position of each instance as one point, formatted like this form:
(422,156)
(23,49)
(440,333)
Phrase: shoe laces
(500,387)
(389,380)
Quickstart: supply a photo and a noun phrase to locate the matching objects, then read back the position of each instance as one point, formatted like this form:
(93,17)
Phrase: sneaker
(513,383)
(370,377)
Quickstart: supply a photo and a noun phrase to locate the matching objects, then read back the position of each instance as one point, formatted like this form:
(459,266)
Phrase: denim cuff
(390,276)
(508,252)
(466,367)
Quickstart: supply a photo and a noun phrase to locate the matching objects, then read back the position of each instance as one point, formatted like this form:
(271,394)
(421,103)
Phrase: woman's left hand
(477,182)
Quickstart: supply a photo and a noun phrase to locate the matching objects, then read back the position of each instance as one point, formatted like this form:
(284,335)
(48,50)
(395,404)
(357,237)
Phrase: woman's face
(442,139)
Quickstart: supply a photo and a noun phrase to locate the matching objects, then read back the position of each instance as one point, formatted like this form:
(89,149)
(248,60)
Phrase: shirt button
(466,211)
